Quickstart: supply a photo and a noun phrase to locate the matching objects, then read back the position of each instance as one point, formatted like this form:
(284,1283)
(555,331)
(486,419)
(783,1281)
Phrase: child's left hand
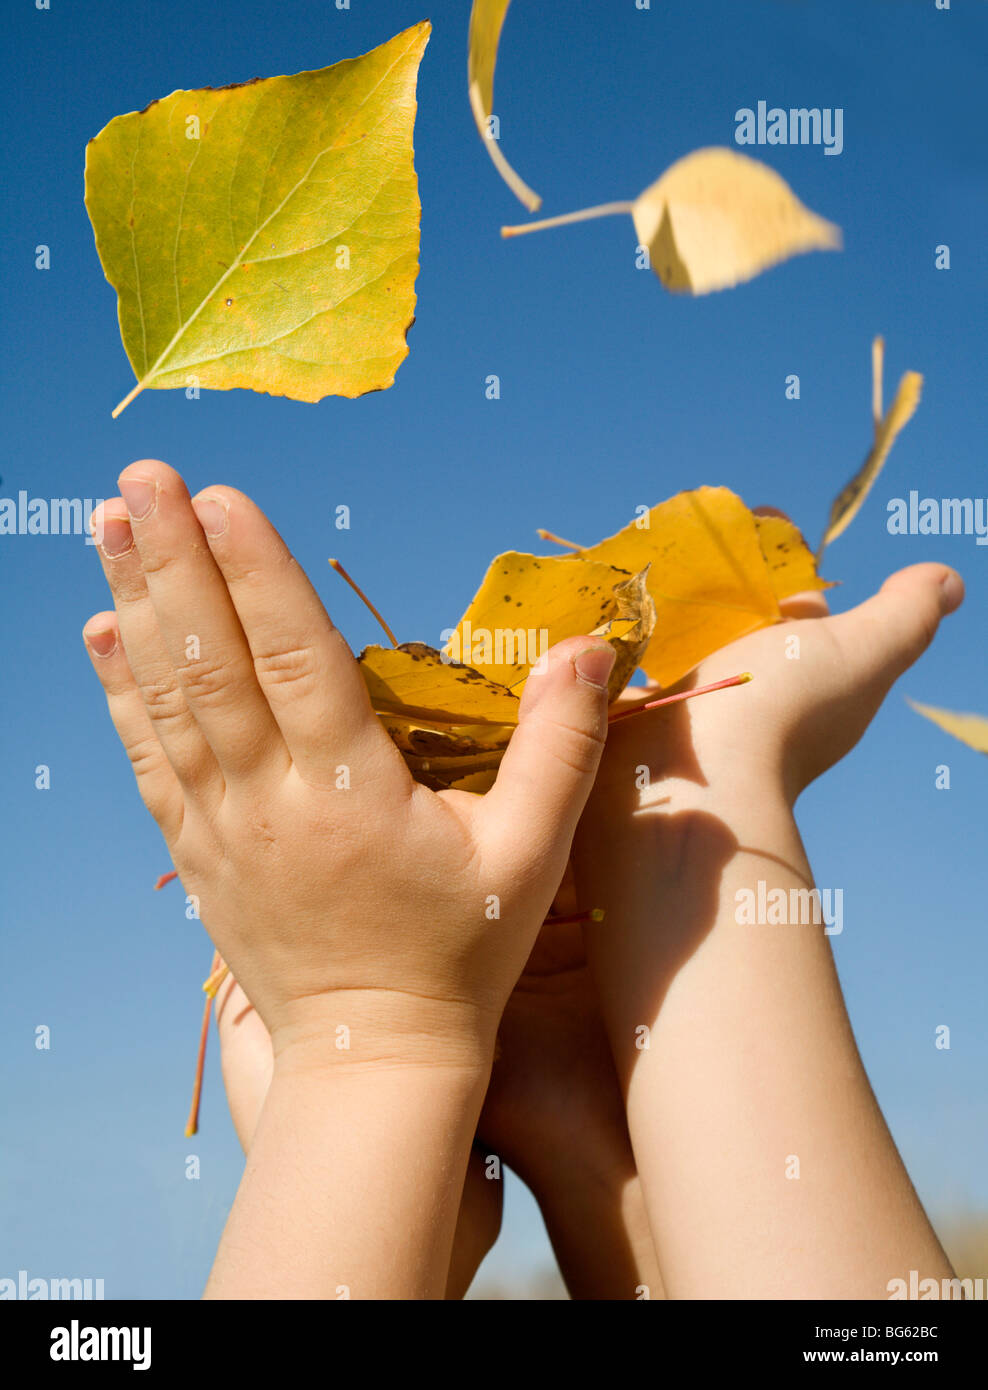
(245,716)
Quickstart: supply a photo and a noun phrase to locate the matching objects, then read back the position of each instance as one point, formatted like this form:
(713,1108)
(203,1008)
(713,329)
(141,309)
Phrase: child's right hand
(819,680)
(765,1163)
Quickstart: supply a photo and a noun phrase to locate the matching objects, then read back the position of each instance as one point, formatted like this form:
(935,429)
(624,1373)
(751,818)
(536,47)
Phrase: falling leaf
(971,729)
(266,235)
(714,219)
(707,576)
(717,218)
(850,499)
(486,22)
(791,564)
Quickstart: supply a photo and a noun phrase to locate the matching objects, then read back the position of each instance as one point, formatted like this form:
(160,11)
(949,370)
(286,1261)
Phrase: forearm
(598,1226)
(352,1185)
(767,1168)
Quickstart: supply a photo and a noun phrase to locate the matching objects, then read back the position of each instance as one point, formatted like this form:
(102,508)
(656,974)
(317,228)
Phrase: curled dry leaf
(486,23)
(971,729)
(266,235)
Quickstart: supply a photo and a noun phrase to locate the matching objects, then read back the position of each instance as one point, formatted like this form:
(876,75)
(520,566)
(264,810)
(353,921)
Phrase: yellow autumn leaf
(443,755)
(714,219)
(850,499)
(791,564)
(486,22)
(629,631)
(717,217)
(707,576)
(971,729)
(415,679)
(452,722)
(528,603)
(266,235)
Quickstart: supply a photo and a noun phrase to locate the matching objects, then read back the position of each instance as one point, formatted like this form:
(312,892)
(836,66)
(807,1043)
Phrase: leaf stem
(682,695)
(877,363)
(192,1124)
(557,540)
(593,914)
(585,215)
(363,597)
(128,398)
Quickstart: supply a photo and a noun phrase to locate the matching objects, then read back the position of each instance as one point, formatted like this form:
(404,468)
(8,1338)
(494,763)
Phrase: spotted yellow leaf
(707,576)
(791,563)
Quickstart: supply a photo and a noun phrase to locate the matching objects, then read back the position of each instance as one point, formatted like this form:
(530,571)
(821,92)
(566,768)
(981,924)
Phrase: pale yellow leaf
(850,499)
(971,729)
(486,22)
(717,217)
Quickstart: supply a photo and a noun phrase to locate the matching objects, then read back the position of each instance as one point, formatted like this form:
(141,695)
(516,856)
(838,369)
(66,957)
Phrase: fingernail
(213,515)
(115,537)
(140,496)
(594,665)
(951,591)
(102,643)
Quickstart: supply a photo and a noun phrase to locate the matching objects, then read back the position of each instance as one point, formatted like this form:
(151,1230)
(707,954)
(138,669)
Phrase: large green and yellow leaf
(266,235)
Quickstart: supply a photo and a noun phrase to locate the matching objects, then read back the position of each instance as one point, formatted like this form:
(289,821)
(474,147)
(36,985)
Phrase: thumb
(550,764)
(893,629)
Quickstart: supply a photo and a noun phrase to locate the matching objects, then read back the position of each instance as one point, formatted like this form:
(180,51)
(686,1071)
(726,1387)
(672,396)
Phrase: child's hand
(378,927)
(401,914)
(765,1163)
(818,682)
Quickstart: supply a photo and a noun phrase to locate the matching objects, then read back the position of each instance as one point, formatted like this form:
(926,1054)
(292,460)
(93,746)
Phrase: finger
(550,764)
(198,622)
(304,667)
(156,780)
(887,633)
(812,603)
(181,738)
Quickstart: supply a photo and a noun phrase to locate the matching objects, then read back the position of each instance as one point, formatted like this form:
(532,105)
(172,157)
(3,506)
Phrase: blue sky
(613,393)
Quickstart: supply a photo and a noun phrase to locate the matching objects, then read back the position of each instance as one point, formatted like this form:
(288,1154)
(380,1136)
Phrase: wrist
(369,1029)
